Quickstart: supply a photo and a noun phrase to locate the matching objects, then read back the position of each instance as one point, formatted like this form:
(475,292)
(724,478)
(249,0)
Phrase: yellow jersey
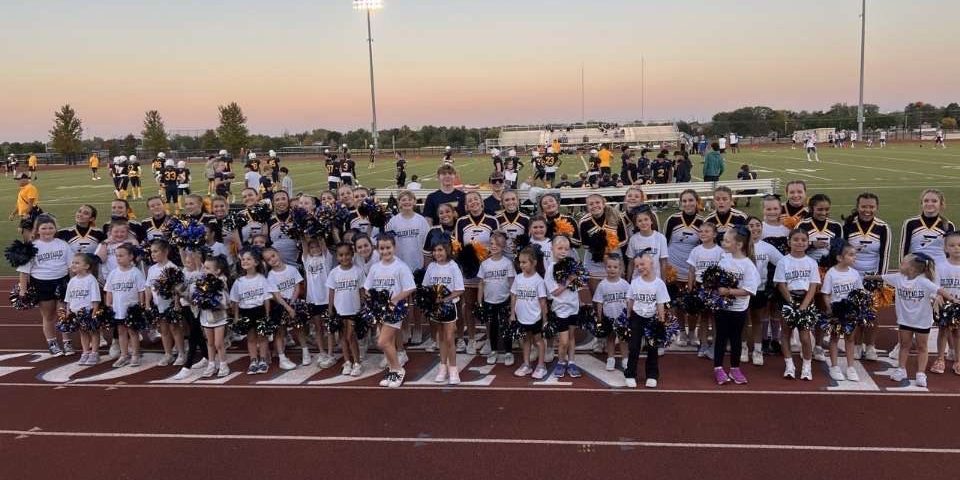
(605,157)
(94,161)
(32,161)
(27,197)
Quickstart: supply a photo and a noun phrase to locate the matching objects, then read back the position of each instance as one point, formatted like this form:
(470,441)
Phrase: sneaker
(327,361)
(630,382)
(560,370)
(402,357)
(471,347)
(454,376)
(387,375)
(573,370)
(442,372)
(122,361)
(461,345)
(486,350)
(806,371)
(540,372)
(871,353)
(852,374)
(837,374)
(683,339)
(492,358)
(201,364)
(661,351)
(83,359)
(286,364)
(93,359)
(508,360)
(858,352)
(899,374)
(263,366)
(650,383)
(894,352)
(744,354)
(305,357)
(921,379)
(790,370)
(252,369)
(548,356)
(357,370)
(396,378)
(523,371)
(720,376)
(165,361)
(114,351)
(702,351)
(134,360)
(210,369)
(596,345)
(347,368)
(429,345)
(818,354)
(757,358)
(182,374)
(709,352)
(611,364)
(181,360)
(738,377)
(623,362)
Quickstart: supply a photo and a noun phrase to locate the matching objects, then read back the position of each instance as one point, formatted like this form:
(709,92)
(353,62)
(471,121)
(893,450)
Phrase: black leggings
(652,367)
(729,327)
(196,339)
(498,313)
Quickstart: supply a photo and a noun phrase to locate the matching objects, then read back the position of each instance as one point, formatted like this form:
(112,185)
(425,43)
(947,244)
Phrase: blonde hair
(927,268)
(407,193)
(939,194)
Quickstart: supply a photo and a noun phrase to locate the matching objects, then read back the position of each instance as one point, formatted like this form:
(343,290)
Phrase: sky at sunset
(297,65)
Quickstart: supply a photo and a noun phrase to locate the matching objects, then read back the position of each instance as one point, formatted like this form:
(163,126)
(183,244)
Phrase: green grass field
(897,174)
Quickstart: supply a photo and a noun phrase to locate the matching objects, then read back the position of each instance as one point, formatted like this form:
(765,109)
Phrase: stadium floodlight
(863,38)
(368,5)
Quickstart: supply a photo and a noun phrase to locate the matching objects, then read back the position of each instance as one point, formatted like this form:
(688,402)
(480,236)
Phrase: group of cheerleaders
(266,273)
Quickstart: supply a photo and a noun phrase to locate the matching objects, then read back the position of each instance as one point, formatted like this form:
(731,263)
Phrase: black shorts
(184,191)
(604,170)
(539,175)
(135,182)
(550,176)
(32,169)
(535,329)
(121,183)
(564,324)
(255,314)
(759,301)
(333,186)
(401,180)
(907,328)
(50,289)
(346,180)
(170,194)
(94,169)
(811,149)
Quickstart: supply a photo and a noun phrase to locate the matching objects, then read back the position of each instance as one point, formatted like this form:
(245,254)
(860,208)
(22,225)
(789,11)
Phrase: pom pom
(87,320)
(268,325)
(513,332)
(138,317)
(189,235)
(66,321)
(571,273)
(948,316)
(670,274)
(168,282)
(260,213)
(27,301)
(791,222)
(690,302)
(715,277)
(301,317)
(430,300)
(621,326)
(550,329)
(780,243)
(597,245)
(361,328)
(521,242)
(802,319)
(342,215)
(600,326)
(379,309)
(374,211)
(20,253)
(469,259)
(325,221)
(659,334)
(242,325)
(562,226)
(105,316)
(170,316)
(208,293)
(613,242)
(455,247)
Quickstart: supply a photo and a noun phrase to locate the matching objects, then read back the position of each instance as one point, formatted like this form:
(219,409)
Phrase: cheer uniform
(726,220)
(597,229)
(448,275)
(345,284)
(872,241)
(798,274)
(317,269)
(82,291)
(124,287)
(287,247)
(925,234)
(513,225)
(820,230)
(682,232)
(82,239)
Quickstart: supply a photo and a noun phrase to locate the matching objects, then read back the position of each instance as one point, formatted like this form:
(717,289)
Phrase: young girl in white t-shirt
(443,271)
(703,256)
(948,271)
(289,285)
(838,282)
(528,306)
(731,319)
(344,284)
(610,301)
(496,275)
(196,341)
(798,278)
(171,334)
(317,262)
(125,286)
(916,292)
(538,237)
(565,306)
(214,320)
(391,274)
(646,303)
(83,292)
(251,296)
(647,238)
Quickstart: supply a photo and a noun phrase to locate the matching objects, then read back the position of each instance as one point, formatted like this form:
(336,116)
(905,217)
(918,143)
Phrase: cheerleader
(916,288)
(528,307)
(251,228)
(682,232)
(512,222)
(565,306)
(215,247)
(839,281)
(156,226)
(250,296)
(725,216)
(214,321)
(496,275)
(797,278)
(125,287)
(344,287)
(443,271)
(48,274)
(366,256)
(358,220)
(288,248)
(948,272)
(171,335)
(632,199)
(871,238)
(447,214)
(558,223)
(317,262)
(731,319)
(600,224)
(703,256)
(196,341)
(83,292)
(474,227)
(646,239)
(83,236)
(765,257)
(772,225)
(610,301)
(288,284)
(646,302)
(795,209)
(393,275)
(925,232)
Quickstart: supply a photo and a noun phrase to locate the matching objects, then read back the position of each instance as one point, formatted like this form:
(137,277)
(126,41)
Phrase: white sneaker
(442,372)
(181,360)
(485,350)
(630,383)
(895,352)
(651,383)
(871,353)
(454,376)
(709,351)
(818,354)
(114,351)
(472,347)
(286,364)
(523,371)
(611,364)
(347,368)
(548,355)
(305,357)
(852,374)
(806,372)
(402,357)
(899,374)
(165,361)
(623,363)
(597,345)
(357,370)
(328,361)
(201,364)
(397,378)
(508,360)
(492,358)
(757,358)
(790,370)
(837,374)
(921,379)
(744,353)
(182,374)
(461,345)
(210,369)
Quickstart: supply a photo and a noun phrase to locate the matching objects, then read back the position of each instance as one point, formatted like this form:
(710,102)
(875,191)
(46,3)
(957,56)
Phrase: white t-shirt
(366,264)
(723,142)
(394,277)
(656,242)
(252,292)
(883,135)
(745,271)
(448,275)
(410,234)
(810,143)
(414,186)
(774,231)
(252,180)
(948,275)
(52,261)
(914,301)
(797,273)
(565,304)
(285,281)
(496,275)
(190,278)
(702,258)
(764,255)
(82,292)
(125,287)
(839,284)
(153,274)
(733,139)
(346,285)
(317,269)
(646,295)
(528,292)
(612,296)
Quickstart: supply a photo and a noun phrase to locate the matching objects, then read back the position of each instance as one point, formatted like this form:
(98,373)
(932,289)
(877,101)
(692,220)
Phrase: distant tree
(154,133)
(948,123)
(232,131)
(66,133)
(130,144)
(210,141)
(952,110)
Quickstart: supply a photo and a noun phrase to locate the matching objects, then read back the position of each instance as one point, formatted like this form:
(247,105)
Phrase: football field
(897,174)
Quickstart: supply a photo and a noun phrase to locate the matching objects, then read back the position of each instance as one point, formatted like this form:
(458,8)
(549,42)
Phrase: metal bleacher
(577,136)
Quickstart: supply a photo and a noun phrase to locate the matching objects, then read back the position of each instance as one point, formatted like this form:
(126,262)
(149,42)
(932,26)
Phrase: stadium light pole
(367,6)
(863,36)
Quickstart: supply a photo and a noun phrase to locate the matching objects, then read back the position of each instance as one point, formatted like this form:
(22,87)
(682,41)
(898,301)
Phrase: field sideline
(897,174)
